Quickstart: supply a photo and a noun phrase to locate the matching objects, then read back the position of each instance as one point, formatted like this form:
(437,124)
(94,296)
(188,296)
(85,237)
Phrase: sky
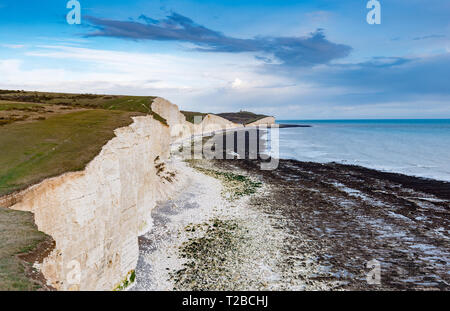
(290,59)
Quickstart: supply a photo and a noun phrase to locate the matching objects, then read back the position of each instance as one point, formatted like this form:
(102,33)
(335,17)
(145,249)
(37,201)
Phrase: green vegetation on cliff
(20,101)
(33,151)
(18,235)
(242,117)
(43,135)
(47,134)
(90,101)
(190,115)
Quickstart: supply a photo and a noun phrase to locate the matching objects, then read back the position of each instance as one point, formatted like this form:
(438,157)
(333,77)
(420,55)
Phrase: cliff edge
(95,215)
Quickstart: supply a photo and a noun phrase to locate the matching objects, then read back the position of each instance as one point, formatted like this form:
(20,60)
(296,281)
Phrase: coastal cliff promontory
(96,215)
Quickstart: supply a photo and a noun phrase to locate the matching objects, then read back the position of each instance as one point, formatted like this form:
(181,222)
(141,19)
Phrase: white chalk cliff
(95,216)
(181,129)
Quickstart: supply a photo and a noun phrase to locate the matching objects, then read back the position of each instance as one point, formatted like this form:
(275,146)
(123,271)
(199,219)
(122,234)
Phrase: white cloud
(237,83)
(206,82)
(13,46)
(181,78)
(171,71)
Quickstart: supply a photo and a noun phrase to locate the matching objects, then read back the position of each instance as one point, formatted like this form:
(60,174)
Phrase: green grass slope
(93,101)
(33,151)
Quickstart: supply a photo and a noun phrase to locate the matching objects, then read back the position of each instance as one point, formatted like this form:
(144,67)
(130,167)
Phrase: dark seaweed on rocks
(212,257)
(345,216)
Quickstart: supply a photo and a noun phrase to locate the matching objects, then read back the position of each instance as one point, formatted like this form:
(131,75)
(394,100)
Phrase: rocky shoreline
(206,237)
(305,226)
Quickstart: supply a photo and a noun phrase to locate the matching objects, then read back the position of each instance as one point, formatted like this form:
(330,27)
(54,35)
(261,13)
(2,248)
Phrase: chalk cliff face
(95,216)
(179,127)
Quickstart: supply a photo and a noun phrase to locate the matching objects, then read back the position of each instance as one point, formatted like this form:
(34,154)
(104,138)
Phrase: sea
(412,147)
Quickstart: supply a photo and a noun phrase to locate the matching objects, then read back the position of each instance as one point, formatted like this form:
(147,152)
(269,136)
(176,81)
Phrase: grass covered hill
(46,134)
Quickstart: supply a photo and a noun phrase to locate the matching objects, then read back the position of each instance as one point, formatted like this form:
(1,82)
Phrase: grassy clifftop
(63,101)
(43,135)
(242,117)
(46,134)
(33,151)
(91,101)
(190,115)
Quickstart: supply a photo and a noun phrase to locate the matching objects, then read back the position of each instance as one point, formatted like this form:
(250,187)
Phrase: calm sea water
(412,147)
